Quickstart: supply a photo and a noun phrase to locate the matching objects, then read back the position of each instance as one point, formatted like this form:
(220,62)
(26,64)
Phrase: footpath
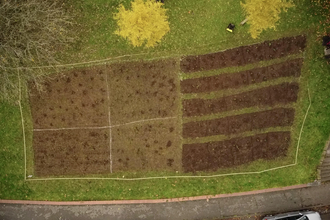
(267,201)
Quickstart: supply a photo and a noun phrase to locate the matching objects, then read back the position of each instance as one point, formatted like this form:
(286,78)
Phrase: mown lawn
(200,31)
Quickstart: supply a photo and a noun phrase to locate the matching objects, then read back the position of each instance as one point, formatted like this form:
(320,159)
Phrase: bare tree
(31,34)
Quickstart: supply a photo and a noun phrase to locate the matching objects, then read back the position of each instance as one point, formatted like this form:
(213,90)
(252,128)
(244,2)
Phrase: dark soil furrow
(290,68)
(268,96)
(243,55)
(239,123)
(234,152)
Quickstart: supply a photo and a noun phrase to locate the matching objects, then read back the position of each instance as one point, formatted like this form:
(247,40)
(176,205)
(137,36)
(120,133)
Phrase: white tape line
(109,117)
(302,126)
(141,121)
(162,177)
(103,127)
(22,120)
(107,59)
(72,128)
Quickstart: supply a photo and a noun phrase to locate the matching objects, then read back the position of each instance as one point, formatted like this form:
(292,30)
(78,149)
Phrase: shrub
(32,32)
(146,22)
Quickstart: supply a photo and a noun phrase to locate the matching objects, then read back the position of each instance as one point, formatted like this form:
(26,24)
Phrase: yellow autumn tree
(263,14)
(145,23)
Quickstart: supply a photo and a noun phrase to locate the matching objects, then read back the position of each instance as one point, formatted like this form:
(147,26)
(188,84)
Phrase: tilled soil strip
(244,55)
(234,152)
(290,68)
(278,117)
(269,96)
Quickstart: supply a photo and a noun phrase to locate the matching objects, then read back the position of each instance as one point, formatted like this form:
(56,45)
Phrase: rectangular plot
(69,112)
(244,55)
(234,152)
(279,94)
(143,90)
(278,117)
(71,152)
(290,68)
(152,146)
(273,118)
(77,99)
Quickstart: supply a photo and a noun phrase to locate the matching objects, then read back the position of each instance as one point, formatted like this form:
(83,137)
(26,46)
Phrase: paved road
(271,202)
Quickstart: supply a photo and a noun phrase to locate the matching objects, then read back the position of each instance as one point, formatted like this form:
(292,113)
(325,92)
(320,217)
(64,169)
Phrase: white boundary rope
(22,120)
(71,128)
(298,144)
(104,61)
(102,127)
(145,120)
(174,177)
(109,117)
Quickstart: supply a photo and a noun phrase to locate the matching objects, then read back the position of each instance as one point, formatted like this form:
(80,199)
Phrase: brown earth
(244,55)
(234,152)
(71,152)
(137,91)
(290,68)
(268,96)
(143,90)
(152,146)
(277,117)
(75,100)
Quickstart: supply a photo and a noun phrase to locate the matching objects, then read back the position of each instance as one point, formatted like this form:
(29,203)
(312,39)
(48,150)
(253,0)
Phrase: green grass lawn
(196,27)
(200,31)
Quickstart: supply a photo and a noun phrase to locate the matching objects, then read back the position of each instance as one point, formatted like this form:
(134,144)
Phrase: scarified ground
(128,117)
(108,119)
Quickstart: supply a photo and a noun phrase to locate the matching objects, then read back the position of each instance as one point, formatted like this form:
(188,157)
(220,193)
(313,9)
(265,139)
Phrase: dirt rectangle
(278,117)
(244,55)
(234,152)
(269,96)
(290,68)
(143,90)
(154,146)
(77,99)
(71,152)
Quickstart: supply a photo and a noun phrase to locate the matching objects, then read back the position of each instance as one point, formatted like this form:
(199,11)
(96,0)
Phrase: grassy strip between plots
(315,133)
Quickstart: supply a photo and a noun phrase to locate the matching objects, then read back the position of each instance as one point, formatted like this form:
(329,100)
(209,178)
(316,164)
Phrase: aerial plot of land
(122,117)
(139,116)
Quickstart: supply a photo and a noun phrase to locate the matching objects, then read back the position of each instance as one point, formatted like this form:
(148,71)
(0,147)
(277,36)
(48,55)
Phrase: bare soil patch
(277,117)
(268,96)
(243,55)
(143,90)
(140,95)
(74,100)
(135,92)
(234,152)
(154,146)
(290,68)
(71,152)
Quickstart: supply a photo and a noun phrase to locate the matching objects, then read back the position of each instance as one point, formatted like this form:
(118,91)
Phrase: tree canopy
(264,14)
(145,23)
